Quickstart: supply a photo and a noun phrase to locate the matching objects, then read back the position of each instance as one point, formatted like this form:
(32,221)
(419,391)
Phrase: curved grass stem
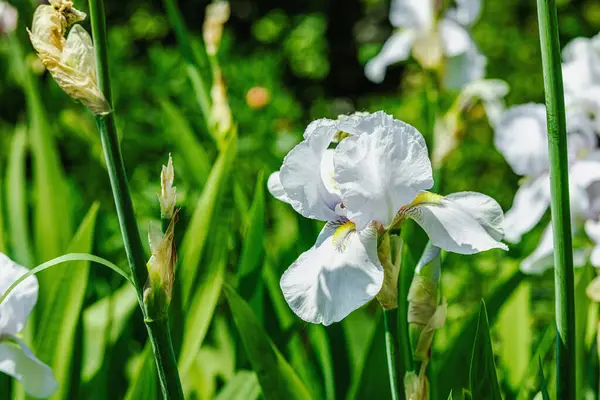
(559,187)
(158,330)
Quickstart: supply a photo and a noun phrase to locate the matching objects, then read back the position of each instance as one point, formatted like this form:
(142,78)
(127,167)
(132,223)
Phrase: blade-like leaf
(582,302)
(103,323)
(194,241)
(543,386)
(16,196)
(203,304)
(193,153)
(447,376)
(61,310)
(250,284)
(373,382)
(514,329)
(483,379)
(276,377)
(144,380)
(244,385)
(527,387)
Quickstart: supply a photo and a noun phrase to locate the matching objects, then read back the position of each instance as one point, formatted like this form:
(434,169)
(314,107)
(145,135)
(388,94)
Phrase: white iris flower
(16,359)
(373,179)
(431,41)
(581,75)
(521,137)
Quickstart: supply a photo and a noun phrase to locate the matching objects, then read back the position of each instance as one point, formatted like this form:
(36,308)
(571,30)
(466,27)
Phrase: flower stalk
(559,189)
(391,348)
(158,329)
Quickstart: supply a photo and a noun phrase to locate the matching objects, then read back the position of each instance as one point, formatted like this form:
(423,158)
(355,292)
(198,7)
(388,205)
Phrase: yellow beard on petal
(341,233)
(424,197)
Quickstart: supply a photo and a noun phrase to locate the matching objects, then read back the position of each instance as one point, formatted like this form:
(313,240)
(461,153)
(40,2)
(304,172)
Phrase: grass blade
(483,379)
(103,323)
(560,203)
(277,378)
(244,385)
(194,155)
(194,241)
(203,305)
(16,195)
(447,376)
(59,314)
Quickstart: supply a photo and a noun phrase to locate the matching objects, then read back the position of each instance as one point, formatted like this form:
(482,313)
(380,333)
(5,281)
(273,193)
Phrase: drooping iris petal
(379,172)
(412,14)
(300,174)
(464,68)
(466,11)
(395,49)
(522,139)
(529,205)
(592,229)
(17,360)
(340,273)
(455,38)
(276,189)
(454,226)
(484,209)
(17,306)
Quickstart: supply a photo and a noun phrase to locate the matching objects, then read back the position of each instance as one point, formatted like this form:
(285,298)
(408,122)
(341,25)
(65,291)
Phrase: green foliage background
(309,56)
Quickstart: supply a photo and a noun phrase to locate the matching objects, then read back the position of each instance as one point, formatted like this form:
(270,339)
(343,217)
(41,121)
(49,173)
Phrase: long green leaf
(515,332)
(203,305)
(16,195)
(373,382)
(144,381)
(103,323)
(250,285)
(244,385)
(194,241)
(545,345)
(193,153)
(277,378)
(543,385)
(55,332)
(447,376)
(483,379)
(582,303)
(52,217)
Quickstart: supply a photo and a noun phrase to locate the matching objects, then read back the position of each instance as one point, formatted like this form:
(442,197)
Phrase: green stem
(158,331)
(559,188)
(391,348)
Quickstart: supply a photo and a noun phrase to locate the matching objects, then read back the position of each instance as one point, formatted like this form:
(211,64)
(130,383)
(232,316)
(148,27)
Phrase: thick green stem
(559,188)
(158,331)
(391,348)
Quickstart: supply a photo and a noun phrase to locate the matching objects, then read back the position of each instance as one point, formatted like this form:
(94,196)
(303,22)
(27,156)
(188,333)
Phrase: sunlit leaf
(277,378)
(244,385)
(16,201)
(194,241)
(61,310)
(483,379)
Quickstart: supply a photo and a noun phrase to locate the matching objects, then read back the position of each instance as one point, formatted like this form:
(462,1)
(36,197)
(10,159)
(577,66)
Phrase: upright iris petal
(301,173)
(16,359)
(381,170)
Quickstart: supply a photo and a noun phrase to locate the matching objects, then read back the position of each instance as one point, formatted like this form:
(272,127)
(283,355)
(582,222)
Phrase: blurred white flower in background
(8,18)
(521,136)
(374,179)
(16,359)
(436,43)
